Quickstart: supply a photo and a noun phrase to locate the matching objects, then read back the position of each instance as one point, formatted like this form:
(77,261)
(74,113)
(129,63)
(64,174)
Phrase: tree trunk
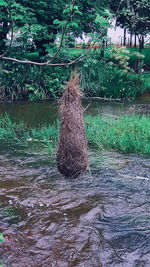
(41,46)
(124,37)
(121,41)
(103,48)
(42,43)
(131,39)
(141,43)
(135,40)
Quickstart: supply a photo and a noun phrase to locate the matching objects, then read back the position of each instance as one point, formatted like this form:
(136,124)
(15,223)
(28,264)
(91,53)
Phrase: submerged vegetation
(129,134)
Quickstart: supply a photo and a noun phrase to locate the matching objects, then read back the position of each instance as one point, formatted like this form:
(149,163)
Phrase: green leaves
(72,9)
(60,23)
(3,3)
(102,21)
(133,15)
(56,22)
(67,10)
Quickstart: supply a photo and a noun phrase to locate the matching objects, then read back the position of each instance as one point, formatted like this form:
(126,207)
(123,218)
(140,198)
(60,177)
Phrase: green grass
(129,134)
(32,56)
(73,51)
(76,51)
(16,132)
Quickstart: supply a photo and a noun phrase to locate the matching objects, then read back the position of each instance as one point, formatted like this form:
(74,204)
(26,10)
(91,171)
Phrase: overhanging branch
(47,63)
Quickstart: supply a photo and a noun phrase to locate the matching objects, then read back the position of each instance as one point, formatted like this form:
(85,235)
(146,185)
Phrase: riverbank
(128,134)
(123,78)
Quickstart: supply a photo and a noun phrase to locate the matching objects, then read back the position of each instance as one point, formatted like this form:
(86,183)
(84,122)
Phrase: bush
(23,82)
(103,78)
(20,81)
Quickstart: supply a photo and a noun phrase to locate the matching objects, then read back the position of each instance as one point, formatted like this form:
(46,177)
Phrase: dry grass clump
(72,156)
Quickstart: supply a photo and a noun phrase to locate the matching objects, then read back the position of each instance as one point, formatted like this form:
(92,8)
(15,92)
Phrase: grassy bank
(129,134)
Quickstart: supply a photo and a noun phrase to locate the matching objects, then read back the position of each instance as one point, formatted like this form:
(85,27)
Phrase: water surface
(45,112)
(100,219)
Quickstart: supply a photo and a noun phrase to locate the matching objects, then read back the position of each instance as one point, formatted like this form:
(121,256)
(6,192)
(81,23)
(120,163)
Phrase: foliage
(111,77)
(112,81)
(129,134)
(120,58)
(17,132)
(37,26)
(133,15)
(38,22)
(147,81)
(11,131)
(144,57)
(23,82)
(138,59)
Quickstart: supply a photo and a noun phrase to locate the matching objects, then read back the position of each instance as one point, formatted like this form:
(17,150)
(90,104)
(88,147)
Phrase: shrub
(23,82)
(104,79)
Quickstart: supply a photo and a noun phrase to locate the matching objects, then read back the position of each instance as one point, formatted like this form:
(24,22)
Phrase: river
(100,219)
(45,112)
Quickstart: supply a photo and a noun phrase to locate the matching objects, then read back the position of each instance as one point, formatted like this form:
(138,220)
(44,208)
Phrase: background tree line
(45,31)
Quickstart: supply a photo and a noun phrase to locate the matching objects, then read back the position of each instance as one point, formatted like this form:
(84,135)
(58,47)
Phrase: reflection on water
(38,113)
(101,219)
(44,112)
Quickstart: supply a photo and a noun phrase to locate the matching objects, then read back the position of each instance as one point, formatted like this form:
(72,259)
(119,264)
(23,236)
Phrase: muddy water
(101,219)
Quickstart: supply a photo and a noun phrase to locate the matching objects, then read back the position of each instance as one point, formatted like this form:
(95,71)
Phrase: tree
(133,15)
(33,20)
(36,19)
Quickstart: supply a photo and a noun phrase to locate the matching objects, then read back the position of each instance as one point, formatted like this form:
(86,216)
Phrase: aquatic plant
(11,130)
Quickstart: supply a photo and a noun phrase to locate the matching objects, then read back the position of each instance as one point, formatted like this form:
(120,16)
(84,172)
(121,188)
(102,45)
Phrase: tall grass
(129,134)
(12,131)
(17,132)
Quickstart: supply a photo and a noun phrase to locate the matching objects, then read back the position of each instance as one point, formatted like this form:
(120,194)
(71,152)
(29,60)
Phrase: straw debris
(72,155)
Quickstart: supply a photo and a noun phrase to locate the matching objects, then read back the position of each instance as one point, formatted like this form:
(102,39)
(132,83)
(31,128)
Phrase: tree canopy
(41,21)
(133,15)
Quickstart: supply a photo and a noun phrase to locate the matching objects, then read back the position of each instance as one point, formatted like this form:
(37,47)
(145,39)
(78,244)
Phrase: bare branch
(72,62)
(32,62)
(49,63)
